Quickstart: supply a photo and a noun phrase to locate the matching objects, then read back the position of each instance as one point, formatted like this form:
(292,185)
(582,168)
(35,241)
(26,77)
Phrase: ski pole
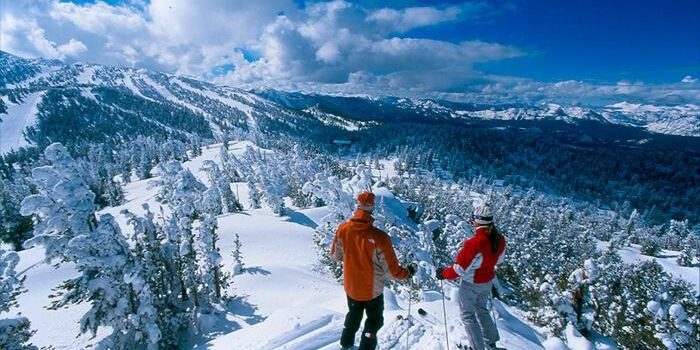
(493,312)
(444,315)
(408,318)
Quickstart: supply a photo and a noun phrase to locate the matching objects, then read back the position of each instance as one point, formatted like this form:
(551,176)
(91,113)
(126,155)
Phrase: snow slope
(18,118)
(666,258)
(281,300)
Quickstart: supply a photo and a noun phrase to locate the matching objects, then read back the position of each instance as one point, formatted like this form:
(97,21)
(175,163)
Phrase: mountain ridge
(32,89)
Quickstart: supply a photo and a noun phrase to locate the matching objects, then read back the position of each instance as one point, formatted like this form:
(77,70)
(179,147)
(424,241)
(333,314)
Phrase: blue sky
(583,52)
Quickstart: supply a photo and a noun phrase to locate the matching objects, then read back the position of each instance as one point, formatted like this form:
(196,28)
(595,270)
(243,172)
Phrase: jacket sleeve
(337,247)
(392,262)
(467,260)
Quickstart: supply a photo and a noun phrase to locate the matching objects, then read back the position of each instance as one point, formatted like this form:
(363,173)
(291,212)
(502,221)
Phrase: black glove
(439,275)
(411,270)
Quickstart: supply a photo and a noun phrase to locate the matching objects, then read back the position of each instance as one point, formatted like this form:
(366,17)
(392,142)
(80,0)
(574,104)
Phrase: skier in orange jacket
(367,256)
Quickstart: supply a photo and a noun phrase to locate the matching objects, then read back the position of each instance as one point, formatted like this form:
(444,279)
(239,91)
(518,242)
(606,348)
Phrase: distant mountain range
(43,101)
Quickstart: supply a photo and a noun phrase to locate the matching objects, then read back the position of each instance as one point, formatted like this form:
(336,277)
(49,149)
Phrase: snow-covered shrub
(556,310)
(671,324)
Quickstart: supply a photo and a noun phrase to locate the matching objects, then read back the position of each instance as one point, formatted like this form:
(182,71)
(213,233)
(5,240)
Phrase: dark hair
(494,238)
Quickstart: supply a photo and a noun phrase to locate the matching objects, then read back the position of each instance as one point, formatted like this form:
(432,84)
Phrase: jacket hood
(362,217)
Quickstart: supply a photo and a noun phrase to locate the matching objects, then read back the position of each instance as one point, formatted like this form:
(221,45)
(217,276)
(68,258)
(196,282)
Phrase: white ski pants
(477,321)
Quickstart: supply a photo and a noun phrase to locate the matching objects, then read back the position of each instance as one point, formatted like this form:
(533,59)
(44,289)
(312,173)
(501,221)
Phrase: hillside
(280,300)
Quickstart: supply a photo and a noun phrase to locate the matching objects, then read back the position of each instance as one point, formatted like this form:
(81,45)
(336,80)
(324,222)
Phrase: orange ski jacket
(367,257)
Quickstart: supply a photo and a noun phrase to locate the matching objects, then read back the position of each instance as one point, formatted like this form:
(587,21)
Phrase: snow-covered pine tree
(210,267)
(187,192)
(222,184)
(100,172)
(671,324)
(302,168)
(580,285)
(237,255)
(608,298)
(675,234)
(227,165)
(341,205)
(688,251)
(156,256)
(244,166)
(63,205)
(168,173)
(15,330)
(272,178)
(112,280)
(111,276)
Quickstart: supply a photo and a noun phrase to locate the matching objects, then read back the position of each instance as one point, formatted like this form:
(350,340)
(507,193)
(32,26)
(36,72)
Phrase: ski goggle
(482,218)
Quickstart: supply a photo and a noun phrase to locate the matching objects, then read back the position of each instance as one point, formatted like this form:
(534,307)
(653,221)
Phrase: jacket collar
(482,229)
(362,216)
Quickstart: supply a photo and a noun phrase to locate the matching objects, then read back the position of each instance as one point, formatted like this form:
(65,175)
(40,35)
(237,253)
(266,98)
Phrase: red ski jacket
(476,262)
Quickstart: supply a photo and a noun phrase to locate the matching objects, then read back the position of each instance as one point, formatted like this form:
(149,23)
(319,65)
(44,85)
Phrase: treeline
(661,183)
(105,169)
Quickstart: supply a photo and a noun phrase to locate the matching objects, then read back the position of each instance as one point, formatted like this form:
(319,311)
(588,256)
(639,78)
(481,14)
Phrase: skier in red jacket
(475,265)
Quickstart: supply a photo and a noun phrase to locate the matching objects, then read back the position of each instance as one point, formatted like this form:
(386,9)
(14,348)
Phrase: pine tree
(580,285)
(688,252)
(210,266)
(237,255)
(15,330)
(222,184)
(111,277)
(671,323)
(63,206)
(14,228)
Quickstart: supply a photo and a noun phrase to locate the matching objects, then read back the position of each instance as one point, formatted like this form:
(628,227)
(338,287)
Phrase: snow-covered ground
(280,300)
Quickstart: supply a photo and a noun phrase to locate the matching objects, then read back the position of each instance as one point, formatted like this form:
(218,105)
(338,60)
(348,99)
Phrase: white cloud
(72,48)
(413,17)
(28,39)
(689,80)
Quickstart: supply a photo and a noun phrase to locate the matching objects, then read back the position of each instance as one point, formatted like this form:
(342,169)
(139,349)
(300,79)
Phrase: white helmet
(482,214)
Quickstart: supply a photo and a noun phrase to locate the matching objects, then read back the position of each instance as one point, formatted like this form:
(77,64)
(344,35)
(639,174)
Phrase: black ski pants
(375,320)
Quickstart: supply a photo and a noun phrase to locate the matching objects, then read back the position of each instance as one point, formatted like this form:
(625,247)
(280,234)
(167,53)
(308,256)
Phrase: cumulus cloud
(332,43)
(28,38)
(72,48)
(413,17)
